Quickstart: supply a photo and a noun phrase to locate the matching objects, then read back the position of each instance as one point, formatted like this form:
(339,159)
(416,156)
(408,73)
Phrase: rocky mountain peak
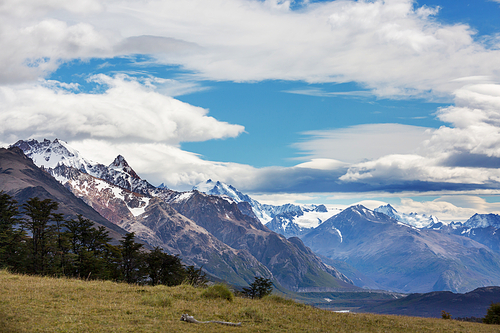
(120,164)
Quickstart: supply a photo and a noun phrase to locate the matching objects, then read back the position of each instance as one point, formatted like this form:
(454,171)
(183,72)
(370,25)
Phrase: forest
(35,239)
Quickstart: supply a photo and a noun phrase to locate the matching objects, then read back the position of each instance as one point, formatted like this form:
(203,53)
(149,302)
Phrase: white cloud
(450,208)
(394,48)
(163,163)
(465,153)
(363,142)
(128,111)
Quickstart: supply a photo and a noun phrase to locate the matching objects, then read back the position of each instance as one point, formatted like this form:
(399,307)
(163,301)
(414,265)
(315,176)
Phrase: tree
(40,213)
(90,248)
(493,314)
(12,240)
(131,259)
(196,277)
(163,268)
(445,315)
(259,288)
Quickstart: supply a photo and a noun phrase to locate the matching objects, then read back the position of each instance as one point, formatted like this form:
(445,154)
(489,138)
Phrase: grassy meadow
(43,304)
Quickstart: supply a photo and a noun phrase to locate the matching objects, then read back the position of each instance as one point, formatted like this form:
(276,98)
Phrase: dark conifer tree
(39,215)
(12,240)
(259,288)
(162,268)
(131,264)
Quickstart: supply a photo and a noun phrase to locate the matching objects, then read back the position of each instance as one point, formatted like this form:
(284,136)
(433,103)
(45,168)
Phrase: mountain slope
(291,263)
(413,219)
(158,224)
(403,258)
(23,180)
(210,231)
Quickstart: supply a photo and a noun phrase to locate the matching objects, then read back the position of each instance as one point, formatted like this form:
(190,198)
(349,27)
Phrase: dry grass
(34,304)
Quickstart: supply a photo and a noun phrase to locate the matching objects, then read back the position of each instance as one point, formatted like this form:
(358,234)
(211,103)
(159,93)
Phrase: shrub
(218,291)
(445,315)
(493,314)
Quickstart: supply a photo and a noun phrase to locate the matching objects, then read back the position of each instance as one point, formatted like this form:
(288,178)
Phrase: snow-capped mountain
(401,257)
(483,221)
(413,219)
(51,155)
(288,219)
(206,230)
(230,193)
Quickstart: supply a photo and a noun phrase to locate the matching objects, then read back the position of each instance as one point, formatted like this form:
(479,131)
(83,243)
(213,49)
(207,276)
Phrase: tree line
(37,240)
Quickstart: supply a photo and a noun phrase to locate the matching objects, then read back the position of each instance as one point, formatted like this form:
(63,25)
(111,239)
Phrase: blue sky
(332,102)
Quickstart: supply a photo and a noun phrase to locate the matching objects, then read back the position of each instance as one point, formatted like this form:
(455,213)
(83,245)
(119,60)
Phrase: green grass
(42,304)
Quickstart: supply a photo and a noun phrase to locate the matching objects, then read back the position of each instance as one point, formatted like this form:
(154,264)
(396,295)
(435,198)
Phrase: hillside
(29,304)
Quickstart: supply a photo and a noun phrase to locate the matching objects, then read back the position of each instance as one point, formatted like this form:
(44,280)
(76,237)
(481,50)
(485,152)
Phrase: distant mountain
(288,220)
(483,228)
(472,304)
(413,219)
(483,221)
(209,231)
(403,258)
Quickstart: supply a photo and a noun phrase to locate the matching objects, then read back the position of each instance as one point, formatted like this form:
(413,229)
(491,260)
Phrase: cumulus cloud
(394,48)
(128,110)
(467,152)
(164,163)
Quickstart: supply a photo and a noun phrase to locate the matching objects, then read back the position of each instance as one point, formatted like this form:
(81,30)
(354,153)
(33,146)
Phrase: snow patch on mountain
(51,155)
(339,233)
(288,220)
(416,220)
(48,154)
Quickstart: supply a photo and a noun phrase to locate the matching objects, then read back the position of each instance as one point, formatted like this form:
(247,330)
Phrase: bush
(218,291)
(493,314)
(445,315)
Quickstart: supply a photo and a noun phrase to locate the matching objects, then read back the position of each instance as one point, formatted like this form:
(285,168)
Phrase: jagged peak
(121,164)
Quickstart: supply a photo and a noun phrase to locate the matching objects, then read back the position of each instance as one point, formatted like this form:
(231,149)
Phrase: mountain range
(390,250)
(204,230)
(290,220)
(303,247)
